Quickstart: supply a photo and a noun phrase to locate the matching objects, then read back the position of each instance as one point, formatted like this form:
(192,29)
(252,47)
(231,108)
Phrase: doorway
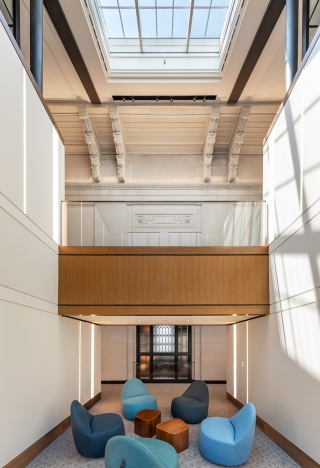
(164,353)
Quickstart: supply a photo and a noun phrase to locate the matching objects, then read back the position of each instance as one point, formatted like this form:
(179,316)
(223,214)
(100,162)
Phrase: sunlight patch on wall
(295,272)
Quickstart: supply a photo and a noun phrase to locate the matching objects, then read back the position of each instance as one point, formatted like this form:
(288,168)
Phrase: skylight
(157,26)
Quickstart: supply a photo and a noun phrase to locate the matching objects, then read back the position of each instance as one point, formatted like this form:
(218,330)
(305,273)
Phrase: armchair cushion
(228,442)
(91,433)
(136,397)
(192,406)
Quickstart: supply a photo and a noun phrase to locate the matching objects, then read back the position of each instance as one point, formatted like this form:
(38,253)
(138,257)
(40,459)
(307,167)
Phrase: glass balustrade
(167,224)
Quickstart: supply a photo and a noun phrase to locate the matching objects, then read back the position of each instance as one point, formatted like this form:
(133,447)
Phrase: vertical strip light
(235,360)
(24,110)
(81,223)
(80,362)
(55,186)
(64,227)
(92,361)
(247,361)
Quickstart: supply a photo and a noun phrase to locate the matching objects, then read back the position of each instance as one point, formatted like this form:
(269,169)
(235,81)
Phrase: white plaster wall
(46,360)
(77,167)
(210,352)
(283,348)
(118,351)
(250,167)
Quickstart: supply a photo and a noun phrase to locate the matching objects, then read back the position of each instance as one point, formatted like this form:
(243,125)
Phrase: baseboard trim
(288,447)
(26,457)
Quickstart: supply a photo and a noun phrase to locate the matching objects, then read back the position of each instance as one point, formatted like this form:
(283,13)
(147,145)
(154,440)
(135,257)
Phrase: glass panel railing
(163,368)
(167,224)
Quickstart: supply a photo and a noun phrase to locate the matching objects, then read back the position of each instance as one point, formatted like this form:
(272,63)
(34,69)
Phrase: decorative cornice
(93,145)
(209,143)
(235,146)
(119,142)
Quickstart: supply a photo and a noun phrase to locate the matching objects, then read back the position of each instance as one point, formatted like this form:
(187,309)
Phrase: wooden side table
(145,422)
(175,432)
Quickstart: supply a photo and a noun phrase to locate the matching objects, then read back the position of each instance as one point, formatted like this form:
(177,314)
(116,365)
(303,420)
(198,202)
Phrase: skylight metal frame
(167,59)
(173,9)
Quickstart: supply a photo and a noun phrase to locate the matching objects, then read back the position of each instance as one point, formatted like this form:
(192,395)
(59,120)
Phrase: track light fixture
(176,98)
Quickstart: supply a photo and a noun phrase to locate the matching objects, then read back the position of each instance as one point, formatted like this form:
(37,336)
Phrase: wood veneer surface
(163,279)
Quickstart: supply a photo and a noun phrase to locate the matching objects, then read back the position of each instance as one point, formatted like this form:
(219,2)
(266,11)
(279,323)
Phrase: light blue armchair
(140,453)
(228,442)
(135,397)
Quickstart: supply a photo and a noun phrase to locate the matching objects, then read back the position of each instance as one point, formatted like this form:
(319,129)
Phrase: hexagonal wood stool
(145,422)
(175,432)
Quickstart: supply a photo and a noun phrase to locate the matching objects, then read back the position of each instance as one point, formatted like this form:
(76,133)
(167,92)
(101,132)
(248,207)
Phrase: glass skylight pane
(109,3)
(164,23)
(147,3)
(199,23)
(182,3)
(148,23)
(165,3)
(220,3)
(202,3)
(113,22)
(127,3)
(129,21)
(180,22)
(216,21)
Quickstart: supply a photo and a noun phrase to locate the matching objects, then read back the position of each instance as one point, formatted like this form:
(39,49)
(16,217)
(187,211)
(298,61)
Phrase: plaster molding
(235,146)
(92,142)
(209,143)
(119,142)
(163,220)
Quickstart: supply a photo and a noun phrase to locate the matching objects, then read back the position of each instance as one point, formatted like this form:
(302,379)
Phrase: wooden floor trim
(26,457)
(288,447)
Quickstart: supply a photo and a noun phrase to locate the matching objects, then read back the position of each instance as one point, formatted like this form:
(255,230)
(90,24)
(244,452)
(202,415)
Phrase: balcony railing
(167,224)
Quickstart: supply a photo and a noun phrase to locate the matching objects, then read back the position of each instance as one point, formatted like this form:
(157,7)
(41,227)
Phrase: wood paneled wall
(163,280)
